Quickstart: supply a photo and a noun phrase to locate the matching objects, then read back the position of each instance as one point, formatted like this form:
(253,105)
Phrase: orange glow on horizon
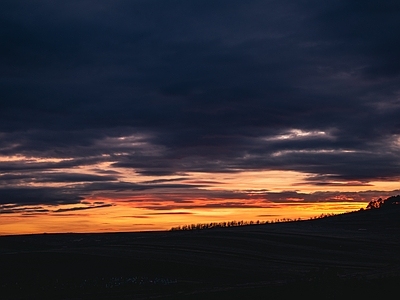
(125,218)
(163,202)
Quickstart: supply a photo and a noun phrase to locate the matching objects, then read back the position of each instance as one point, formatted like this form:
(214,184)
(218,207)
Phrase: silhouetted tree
(388,203)
(375,204)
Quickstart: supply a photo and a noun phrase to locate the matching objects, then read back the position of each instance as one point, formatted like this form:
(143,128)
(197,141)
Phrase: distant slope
(363,245)
(371,219)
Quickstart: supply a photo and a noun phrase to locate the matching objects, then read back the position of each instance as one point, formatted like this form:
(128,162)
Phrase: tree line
(201,226)
(391,202)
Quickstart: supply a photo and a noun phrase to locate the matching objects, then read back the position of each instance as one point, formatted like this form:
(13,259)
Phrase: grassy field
(355,254)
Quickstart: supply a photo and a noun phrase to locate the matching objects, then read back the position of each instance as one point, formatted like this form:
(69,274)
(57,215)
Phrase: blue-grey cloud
(197,86)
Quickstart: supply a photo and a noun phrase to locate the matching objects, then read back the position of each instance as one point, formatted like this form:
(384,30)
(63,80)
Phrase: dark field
(355,254)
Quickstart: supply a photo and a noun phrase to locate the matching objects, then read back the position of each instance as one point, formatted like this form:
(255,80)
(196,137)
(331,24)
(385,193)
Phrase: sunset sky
(132,115)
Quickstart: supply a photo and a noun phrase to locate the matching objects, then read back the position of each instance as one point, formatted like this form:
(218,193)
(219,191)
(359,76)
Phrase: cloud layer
(91,90)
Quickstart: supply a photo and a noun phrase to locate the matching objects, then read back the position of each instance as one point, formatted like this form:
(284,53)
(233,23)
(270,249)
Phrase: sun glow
(127,200)
(130,218)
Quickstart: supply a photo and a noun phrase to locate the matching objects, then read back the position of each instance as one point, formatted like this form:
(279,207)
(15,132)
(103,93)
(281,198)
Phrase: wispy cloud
(80,208)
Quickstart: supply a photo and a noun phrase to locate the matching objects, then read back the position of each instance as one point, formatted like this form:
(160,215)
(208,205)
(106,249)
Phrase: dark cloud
(256,199)
(38,195)
(61,210)
(170,213)
(32,165)
(28,210)
(171,87)
(160,181)
(72,177)
(31,210)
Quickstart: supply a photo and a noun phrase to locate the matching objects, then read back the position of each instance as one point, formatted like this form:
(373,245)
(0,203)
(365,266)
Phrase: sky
(132,115)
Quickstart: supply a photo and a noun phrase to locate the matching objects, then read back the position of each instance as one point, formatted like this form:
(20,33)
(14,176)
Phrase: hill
(314,257)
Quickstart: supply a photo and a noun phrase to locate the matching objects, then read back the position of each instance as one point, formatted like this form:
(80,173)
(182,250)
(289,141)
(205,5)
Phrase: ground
(356,252)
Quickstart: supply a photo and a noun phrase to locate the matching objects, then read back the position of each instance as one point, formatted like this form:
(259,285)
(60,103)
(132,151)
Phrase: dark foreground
(356,254)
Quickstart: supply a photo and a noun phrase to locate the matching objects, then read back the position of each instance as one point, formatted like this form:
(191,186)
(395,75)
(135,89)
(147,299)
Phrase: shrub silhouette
(391,202)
